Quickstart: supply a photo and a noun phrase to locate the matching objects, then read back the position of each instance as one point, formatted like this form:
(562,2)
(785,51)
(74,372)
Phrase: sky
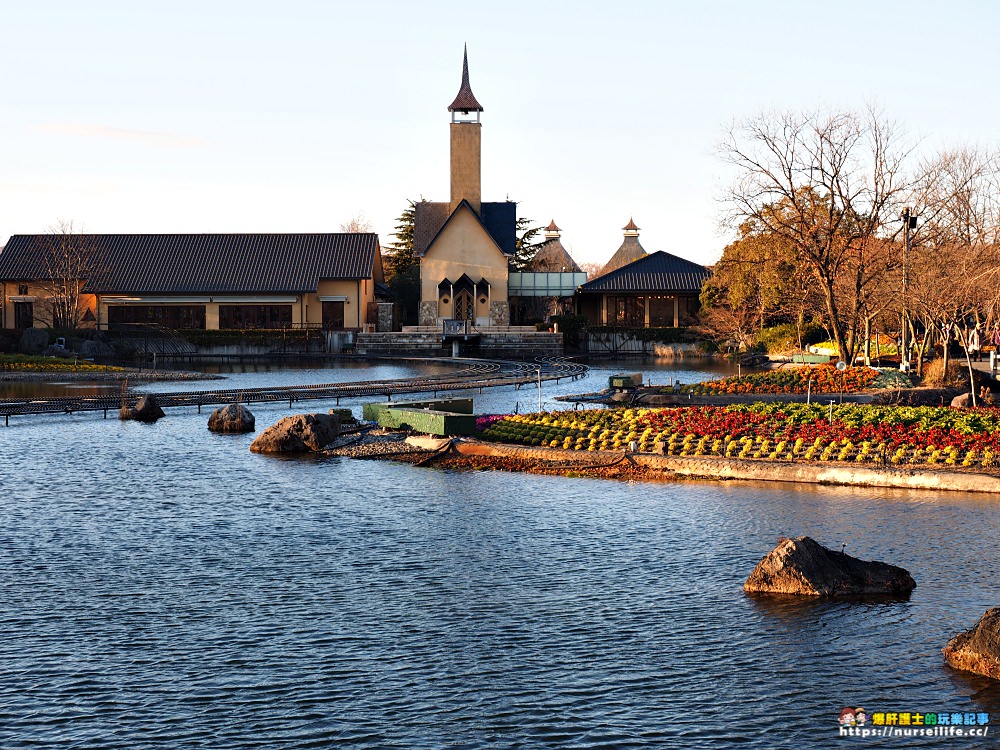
(217,116)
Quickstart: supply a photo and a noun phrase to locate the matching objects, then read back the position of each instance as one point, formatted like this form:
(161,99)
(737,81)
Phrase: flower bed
(889,435)
(825,379)
(22,363)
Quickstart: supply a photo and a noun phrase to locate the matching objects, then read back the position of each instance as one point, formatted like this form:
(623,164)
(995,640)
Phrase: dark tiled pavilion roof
(465,101)
(656,273)
(499,219)
(202,263)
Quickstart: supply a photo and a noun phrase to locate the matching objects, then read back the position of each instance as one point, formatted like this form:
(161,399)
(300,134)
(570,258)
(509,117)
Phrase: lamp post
(909,222)
(539,390)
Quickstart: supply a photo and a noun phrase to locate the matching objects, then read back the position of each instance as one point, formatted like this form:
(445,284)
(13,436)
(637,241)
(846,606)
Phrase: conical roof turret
(629,251)
(552,256)
(465,101)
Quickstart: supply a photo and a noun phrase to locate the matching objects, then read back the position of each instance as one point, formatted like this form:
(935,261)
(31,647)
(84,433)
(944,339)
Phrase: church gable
(464,240)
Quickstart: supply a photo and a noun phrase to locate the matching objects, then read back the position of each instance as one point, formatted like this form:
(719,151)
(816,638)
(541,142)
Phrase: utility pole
(909,222)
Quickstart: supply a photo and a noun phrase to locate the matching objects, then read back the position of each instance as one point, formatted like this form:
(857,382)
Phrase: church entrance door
(464,309)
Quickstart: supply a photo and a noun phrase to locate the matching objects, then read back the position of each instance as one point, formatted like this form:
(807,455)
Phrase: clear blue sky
(297,116)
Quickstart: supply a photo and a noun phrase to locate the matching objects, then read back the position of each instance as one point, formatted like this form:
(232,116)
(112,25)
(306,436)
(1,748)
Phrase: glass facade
(626,311)
(170,316)
(255,316)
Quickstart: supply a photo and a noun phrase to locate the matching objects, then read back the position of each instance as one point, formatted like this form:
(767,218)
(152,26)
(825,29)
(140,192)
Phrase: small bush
(786,336)
(956,377)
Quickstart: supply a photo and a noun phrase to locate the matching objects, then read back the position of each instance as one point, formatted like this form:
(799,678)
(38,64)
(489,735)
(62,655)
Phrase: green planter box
(625,380)
(429,421)
(370,412)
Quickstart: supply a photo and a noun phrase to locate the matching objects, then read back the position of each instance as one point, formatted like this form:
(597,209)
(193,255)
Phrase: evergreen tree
(402,267)
(527,244)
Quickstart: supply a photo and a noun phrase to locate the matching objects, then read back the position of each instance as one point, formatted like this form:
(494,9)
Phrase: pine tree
(527,244)
(402,267)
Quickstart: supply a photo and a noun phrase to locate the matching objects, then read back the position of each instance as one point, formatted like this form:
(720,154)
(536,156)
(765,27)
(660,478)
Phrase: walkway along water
(476,374)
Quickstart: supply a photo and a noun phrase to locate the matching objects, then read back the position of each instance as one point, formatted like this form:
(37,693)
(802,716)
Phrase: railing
(476,374)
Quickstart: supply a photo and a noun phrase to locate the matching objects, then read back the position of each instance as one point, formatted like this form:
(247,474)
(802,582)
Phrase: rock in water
(232,418)
(804,566)
(145,410)
(978,649)
(300,433)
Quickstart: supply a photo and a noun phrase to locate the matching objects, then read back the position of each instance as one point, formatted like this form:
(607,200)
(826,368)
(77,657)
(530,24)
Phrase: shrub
(571,326)
(782,337)
(956,377)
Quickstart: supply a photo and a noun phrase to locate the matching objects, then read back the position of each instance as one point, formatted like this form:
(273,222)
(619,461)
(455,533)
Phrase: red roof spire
(466,100)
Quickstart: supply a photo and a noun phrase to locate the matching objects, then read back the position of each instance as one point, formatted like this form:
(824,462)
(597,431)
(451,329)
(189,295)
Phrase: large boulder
(804,566)
(146,409)
(56,350)
(96,348)
(963,401)
(232,418)
(300,433)
(33,341)
(978,649)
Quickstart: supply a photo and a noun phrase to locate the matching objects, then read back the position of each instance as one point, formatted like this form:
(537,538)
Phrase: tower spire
(466,101)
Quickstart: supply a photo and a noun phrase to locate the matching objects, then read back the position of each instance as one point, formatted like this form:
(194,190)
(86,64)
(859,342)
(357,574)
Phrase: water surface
(161,586)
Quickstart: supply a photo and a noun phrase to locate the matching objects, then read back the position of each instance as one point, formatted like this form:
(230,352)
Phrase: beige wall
(466,149)
(40,311)
(464,247)
(359,293)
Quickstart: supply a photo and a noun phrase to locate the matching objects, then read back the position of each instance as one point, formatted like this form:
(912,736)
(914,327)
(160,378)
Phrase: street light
(909,222)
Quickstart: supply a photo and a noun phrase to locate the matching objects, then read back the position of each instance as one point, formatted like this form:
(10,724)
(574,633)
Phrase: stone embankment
(131,374)
(470,453)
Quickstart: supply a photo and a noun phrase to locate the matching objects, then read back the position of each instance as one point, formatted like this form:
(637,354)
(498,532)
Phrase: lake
(161,586)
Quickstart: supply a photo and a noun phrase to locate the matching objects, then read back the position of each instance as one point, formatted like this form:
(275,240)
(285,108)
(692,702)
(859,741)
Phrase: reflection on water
(162,586)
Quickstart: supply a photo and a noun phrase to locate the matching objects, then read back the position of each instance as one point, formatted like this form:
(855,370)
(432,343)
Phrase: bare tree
(956,259)
(358,225)
(828,183)
(70,260)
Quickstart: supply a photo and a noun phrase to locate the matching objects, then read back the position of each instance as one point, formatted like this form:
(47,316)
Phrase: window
(22,289)
(169,316)
(333,314)
(255,316)
(661,312)
(626,311)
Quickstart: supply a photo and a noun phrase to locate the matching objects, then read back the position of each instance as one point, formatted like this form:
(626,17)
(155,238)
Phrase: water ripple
(168,589)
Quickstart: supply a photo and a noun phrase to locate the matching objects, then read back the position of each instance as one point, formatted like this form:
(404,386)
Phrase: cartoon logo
(847,717)
(860,717)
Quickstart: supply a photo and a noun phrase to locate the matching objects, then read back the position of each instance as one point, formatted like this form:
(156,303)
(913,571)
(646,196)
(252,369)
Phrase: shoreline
(111,376)
(476,455)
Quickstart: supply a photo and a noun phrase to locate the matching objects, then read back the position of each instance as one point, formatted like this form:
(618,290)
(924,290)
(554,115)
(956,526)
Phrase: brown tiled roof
(466,100)
(657,273)
(552,227)
(630,227)
(499,219)
(203,263)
